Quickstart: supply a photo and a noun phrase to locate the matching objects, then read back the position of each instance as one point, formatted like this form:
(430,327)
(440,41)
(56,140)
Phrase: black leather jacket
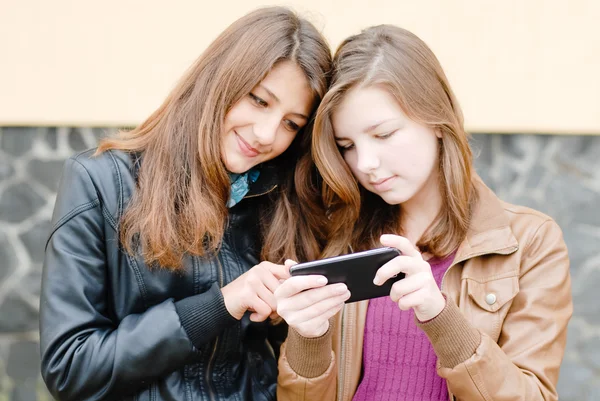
(114,329)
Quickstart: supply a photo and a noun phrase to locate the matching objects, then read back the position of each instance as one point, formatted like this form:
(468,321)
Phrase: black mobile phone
(356,270)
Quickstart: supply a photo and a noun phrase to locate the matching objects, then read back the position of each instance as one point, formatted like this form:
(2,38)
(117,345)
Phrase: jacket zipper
(261,194)
(270,348)
(211,391)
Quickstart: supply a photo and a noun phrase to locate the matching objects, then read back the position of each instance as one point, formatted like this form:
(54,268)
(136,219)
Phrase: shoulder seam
(535,234)
(66,218)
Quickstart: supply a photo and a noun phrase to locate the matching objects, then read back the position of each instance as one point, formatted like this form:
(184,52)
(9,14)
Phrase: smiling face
(263,124)
(388,153)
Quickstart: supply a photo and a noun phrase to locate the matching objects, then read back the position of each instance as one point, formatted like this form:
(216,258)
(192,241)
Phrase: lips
(383,184)
(245,147)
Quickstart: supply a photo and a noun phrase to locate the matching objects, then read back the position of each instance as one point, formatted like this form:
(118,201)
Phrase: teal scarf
(240,185)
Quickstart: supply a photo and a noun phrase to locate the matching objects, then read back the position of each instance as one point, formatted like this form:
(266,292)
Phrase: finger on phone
(400,264)
(321,308)
(405,287)
(401,243)
(328,314)
(282,272)
(313,296)
(295,285)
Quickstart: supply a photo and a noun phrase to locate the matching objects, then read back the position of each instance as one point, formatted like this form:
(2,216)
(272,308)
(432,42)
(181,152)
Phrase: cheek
(238,115)
(351,160)
(283,141)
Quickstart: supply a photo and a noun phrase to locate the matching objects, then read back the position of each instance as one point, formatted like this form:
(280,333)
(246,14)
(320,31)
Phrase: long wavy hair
(179,206)
(396,59)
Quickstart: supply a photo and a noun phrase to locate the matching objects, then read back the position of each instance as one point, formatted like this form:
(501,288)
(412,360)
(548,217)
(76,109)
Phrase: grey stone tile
(8,257)
(100,133)
(481,145)
(35,240)
(506,177)
(17,141)
(51,138)
(574,339)
(535,177)
(18,202)
(567,195)
(573,381)
(513,145)
(590,353)
(46,172)
(6,168)
(24,391)
(32,282)
(6,386)
(23,358)
(585,297)
(76,141)
(580,154)
(581,244)
(17,316)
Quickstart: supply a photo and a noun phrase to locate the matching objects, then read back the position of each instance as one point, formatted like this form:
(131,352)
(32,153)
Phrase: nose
(265,129)
(367,159)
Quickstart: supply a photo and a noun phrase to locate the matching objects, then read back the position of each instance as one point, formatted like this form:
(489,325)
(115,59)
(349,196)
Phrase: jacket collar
(490,231)
(266,182)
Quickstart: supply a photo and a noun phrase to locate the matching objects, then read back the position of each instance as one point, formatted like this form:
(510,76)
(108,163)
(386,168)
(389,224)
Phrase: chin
(394,199)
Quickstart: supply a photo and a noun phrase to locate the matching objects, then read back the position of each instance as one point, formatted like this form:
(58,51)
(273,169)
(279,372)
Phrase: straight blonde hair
(400,62)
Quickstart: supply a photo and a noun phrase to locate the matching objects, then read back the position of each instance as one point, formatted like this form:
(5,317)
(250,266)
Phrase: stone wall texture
(558,175)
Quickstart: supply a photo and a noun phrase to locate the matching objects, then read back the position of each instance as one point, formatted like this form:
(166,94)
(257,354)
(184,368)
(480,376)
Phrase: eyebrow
(278,101)
(369,129)
(376,125)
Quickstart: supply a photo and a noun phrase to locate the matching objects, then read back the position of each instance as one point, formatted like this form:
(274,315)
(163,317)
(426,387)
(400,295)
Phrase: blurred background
(525,72)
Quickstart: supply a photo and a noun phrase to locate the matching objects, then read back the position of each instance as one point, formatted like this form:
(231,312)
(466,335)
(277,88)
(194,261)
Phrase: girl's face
(263,124)
(389,154)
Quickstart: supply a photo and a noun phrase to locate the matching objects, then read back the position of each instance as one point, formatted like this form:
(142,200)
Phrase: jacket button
(490,298)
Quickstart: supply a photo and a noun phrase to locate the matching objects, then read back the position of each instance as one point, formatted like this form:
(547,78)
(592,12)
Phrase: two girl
(153,283)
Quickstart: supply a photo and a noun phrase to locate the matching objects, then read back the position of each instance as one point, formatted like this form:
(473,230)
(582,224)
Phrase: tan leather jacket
(501,336)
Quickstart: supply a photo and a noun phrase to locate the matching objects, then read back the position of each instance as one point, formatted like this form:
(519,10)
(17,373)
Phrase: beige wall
(516,65)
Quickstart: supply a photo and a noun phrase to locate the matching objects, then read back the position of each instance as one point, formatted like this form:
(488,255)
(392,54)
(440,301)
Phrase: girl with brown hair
(153,287)
(482,311)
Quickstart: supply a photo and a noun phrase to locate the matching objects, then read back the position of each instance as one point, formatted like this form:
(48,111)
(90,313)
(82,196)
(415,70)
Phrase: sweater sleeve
(307,368)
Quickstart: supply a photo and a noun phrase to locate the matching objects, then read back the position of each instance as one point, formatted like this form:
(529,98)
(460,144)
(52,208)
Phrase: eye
(291,126)
(346,147)
(258,101)
(385,136)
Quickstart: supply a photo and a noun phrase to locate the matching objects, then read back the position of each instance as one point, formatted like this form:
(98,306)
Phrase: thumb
(289,263)
(282,272)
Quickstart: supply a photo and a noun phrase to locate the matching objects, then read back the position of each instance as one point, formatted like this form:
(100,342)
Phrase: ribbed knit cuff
(309,357)
(452,336)
(204,316)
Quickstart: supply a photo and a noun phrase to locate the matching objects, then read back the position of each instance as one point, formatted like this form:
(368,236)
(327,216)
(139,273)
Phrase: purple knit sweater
(398,359)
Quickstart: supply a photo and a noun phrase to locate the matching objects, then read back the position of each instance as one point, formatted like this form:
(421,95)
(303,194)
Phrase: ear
(438,133)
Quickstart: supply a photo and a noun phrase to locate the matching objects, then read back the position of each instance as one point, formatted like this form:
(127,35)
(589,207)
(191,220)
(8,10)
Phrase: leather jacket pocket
(494,294)
(490,301)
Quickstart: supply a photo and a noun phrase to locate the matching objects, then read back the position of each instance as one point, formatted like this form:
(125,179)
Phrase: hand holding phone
(307,303)
(355,270)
